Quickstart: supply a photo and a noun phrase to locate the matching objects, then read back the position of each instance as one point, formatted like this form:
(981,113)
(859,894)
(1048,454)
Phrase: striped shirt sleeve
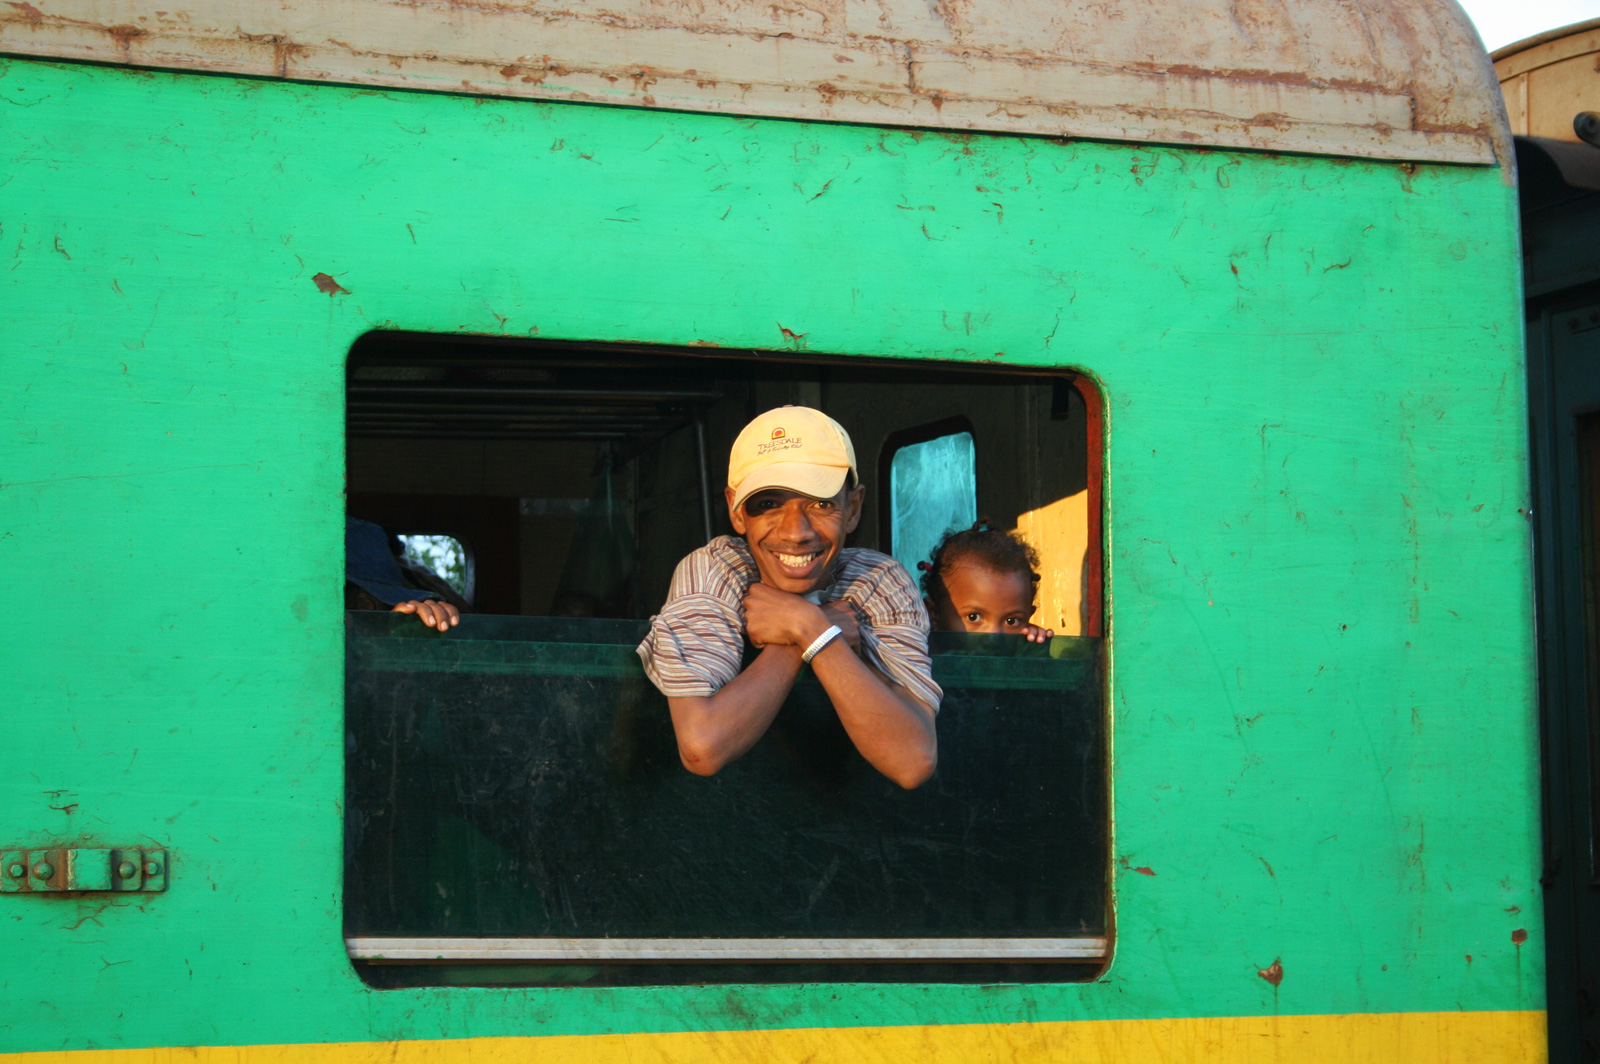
(696,643)
(895,635)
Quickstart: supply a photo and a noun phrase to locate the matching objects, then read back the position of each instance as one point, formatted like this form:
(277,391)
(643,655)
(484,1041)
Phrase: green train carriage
(1218,304)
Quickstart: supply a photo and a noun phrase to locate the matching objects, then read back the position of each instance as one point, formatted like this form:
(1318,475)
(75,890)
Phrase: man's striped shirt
(696,643)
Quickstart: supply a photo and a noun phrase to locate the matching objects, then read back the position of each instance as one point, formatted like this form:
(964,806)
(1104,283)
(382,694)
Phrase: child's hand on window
(432,612)
(1035,634)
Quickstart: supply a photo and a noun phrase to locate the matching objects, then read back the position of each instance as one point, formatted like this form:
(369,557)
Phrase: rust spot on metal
(1268,77)
(1519,936)
(62,251)
(27,11)
(124,35)
(327,284)
(791,335)
(1407,173)
(1142,870)
(1271,119)
(1273,973)
(284,50)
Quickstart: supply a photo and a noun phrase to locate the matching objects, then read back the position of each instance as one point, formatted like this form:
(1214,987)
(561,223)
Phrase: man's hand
(434,614)
(844,614)
(778,618)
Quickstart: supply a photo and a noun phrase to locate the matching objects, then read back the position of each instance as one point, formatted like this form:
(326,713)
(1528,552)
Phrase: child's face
(980,599)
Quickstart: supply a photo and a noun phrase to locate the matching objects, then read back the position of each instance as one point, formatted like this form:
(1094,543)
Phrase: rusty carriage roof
(1384,79)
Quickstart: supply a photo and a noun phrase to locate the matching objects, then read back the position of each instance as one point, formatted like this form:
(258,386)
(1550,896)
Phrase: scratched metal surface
(1366,78)
(1321,682)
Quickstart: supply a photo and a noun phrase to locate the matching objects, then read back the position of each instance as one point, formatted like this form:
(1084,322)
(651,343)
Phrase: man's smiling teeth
(797,561)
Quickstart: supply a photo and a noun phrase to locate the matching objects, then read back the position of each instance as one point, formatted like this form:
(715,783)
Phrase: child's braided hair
(993,549)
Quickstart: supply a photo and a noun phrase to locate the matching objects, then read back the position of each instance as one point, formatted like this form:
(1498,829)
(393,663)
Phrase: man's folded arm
(692,654)
(891,728)
(894,632)
(719,728)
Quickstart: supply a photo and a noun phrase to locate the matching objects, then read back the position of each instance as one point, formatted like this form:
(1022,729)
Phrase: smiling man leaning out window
(788,584)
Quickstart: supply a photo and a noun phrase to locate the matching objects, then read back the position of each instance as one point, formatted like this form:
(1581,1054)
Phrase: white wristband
(833,632)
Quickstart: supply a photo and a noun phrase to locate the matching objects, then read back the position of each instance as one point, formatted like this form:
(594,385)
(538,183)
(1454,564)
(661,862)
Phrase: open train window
(516,810)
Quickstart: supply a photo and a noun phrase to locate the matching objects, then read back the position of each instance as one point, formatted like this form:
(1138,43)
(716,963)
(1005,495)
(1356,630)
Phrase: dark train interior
(577,476)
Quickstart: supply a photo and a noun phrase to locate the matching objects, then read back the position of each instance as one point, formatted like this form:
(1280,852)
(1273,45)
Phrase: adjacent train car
(1551,84)
(1215,304)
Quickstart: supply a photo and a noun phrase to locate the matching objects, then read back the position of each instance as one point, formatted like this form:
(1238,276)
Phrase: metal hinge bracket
(58,871)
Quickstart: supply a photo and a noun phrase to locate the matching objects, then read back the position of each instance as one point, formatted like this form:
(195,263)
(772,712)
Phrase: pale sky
(1500,22)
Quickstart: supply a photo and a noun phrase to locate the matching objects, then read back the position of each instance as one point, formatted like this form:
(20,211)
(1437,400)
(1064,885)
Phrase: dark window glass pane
(518,777)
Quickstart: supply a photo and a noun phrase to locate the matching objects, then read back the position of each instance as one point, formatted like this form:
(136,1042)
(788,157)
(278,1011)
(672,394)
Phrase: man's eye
(824,506)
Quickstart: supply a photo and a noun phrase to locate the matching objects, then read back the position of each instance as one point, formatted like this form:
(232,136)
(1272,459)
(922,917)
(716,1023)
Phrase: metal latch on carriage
(56,871)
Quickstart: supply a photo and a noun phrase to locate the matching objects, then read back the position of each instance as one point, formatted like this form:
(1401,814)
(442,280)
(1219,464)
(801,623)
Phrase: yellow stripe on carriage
(1381,1038)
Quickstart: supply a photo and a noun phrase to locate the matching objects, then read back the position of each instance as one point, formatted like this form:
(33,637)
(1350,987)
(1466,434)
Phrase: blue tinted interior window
(445,555)
(933,488)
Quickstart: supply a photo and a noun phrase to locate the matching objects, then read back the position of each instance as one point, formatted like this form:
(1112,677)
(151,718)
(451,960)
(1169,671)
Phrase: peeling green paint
(1325,745)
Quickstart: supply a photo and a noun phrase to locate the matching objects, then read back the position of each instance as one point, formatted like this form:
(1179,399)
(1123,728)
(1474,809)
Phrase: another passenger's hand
(773,617)
(843,613)
(1035,634)
(434,614)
